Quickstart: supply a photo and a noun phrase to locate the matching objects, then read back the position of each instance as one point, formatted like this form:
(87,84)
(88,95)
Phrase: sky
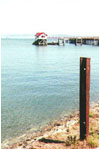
(70,17)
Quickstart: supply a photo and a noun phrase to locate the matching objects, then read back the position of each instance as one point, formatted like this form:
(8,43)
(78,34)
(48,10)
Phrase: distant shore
(56,134)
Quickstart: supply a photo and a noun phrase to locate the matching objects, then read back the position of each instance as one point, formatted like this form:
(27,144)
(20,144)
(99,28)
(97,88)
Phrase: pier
(61,41)
(77,40)
(42,38)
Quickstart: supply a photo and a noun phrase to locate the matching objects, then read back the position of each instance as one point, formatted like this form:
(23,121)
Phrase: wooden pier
(72,40)
(61,41)
(77,40)
(85,40)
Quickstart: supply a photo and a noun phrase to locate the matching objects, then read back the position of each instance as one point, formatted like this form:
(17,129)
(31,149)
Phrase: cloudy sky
(71,17)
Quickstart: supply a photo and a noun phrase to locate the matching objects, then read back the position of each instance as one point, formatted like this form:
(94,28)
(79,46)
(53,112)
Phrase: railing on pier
(79,40)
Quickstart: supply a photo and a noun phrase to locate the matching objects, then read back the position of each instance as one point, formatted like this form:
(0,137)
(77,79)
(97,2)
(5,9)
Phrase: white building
(41,35)
(40,39)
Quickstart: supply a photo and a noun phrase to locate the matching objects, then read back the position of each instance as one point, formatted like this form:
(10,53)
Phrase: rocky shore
(61,134)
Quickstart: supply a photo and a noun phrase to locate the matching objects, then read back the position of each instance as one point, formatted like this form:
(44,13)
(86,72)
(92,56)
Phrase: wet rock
(67,130)
(28,139)
(20,144)
(71,116)
(24,146)
(57,124)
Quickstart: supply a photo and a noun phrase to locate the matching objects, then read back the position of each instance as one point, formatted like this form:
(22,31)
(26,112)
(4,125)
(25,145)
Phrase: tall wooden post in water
(84,97)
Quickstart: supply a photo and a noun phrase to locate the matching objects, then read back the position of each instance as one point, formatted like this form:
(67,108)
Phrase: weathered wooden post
(63,42)
(58,42)
(84,97)
(76,41)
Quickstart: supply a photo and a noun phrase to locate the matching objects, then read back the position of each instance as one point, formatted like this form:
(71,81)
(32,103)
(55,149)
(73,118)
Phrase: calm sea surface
(40,84)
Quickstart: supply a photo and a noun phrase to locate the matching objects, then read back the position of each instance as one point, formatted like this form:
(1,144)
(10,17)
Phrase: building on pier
(40,39)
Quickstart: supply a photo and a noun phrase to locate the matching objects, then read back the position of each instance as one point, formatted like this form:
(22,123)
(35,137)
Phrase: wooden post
(81,41)
(84,97)
(76,41)
(58,42)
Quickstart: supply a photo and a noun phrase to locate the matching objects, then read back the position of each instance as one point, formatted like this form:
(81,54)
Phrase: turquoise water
(40,84)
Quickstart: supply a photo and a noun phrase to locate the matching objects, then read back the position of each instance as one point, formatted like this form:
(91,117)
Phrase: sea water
(41,83)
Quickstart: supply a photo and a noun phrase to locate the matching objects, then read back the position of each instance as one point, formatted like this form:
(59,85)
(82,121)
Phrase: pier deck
(77,40)
(88,40)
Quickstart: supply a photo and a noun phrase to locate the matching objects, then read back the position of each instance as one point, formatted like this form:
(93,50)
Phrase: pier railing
(80,40)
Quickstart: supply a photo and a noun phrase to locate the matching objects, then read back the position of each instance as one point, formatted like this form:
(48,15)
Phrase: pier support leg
(63,42)
(78,41)
(84,97)
(81,42)
(58,41)
(75,42)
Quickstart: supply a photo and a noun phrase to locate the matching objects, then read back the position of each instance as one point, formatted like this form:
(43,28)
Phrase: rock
(67,130)
(28,139)
(20,144)
(57,124)
(71,116)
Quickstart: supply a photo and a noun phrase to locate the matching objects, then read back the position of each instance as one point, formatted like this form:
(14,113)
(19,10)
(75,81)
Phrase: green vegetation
(91,115)
(93,142)
(70,140)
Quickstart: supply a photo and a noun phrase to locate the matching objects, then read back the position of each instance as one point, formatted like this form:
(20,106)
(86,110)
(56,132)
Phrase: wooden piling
(84,97)
(78,41)
(62,41)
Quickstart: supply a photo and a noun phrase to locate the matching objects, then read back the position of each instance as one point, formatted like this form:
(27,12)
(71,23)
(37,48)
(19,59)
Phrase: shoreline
(58,130)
